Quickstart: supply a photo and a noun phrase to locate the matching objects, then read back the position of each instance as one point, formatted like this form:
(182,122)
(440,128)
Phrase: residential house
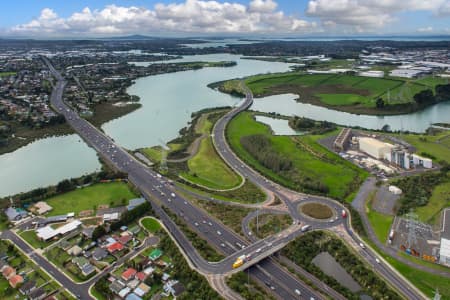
(133,283)
(128,274)
(155,254)
(142,289)
(124,292)
(15,280)
(84,265)
(15,214)
(87,232)
(37,294)
(75,250)
(27,287)
(173,287)
(42,207)
(141,276)
(115,247)
(116,286)
(125,239)
(133,296)
(8,272)
(99,254)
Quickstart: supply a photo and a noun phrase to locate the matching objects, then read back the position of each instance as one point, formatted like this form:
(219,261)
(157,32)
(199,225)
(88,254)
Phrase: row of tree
(314,127)
(417,190)
(260,147)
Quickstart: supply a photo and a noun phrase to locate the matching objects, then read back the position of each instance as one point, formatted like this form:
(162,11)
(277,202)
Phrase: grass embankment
(381,224)
(230,216)
(150,224)
(207,168)
(316,210)
(31,238)
(89,198)
(349,93)
(440,199)
(313,166)
(270,224)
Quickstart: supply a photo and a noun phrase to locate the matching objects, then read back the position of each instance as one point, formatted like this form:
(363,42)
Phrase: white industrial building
(374,147)
(395,190)
(46,233)
(372,73)
(444,253)
(422,161)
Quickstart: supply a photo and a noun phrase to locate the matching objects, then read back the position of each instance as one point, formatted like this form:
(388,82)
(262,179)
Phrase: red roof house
(8,272)
(115,247)
(141,276)
(128,274)
(15,280)
(124,239)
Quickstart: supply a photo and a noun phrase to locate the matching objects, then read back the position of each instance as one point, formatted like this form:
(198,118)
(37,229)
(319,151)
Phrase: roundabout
(317,211)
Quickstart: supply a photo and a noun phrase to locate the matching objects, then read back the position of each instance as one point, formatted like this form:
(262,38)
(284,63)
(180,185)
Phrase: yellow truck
(239,262)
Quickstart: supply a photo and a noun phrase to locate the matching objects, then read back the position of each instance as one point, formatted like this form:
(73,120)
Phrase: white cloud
(425,29)
(368,14)
(194,16)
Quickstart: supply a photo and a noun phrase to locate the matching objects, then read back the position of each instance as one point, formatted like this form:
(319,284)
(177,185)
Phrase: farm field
(112,194)
(345,92)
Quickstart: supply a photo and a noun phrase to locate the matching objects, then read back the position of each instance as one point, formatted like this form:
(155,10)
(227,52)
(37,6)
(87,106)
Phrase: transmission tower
(163,164)
(412,224)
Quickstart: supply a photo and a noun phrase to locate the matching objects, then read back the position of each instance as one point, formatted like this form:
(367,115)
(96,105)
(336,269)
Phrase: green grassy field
(337,174)
(151,224)
(113,194)
(207,168)
(439,200)
(381,224)
(341,99)
(4,74)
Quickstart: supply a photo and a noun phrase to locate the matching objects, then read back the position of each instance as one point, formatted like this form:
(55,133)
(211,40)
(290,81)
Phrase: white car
(258,250)
(377,260)
(298,292)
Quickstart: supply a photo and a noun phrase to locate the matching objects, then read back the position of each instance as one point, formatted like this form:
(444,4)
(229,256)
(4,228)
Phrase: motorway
(222,147)
(158,191)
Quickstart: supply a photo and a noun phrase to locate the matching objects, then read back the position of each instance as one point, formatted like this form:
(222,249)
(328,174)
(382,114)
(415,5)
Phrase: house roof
(27,286)
(124,292)
(116,286)
(141,276)
(14,280)
(133,203)
(8,271)
(124,239)
(144,287)
(115,247)
(178,288)
(155,254)
(99,253)
(133,296)
(36,293)
(130,272)
(14,213)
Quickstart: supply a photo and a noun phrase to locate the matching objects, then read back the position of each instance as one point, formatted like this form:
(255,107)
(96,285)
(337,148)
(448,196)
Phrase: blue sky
(265,17)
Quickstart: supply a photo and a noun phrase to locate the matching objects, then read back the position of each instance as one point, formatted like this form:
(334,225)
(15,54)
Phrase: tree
(64,186)
(98,232)
(424,97)
(380,103)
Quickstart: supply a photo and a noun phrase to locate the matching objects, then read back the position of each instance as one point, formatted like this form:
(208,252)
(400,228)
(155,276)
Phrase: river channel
(168,100)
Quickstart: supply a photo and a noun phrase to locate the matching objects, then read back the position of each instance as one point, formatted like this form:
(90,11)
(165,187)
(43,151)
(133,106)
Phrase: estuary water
(168,100)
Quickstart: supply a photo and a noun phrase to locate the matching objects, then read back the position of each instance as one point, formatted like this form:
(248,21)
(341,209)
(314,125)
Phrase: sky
(82,18)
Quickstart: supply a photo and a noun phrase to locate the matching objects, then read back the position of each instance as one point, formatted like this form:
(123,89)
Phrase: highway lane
(222,147)
(145,178)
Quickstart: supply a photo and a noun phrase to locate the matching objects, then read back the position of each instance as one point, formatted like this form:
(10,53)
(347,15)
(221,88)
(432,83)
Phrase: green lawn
(113,194)
(207,168)
(339,175)
(4,74)
(341,99)
(32,239)
(151,224)
(439,200)
(380,223)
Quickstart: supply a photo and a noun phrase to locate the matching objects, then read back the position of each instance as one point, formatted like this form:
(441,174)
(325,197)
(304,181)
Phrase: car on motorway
(258,250)
(222,245)
(362,245)
(196,224)
(296,291)
(377,260)
(204,222)
(209,223)
(219,233)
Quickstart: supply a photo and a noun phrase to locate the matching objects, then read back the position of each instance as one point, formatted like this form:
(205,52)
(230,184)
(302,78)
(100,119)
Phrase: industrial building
(341,140)
(374,147)
(46,233)
(397,155)
(444,253)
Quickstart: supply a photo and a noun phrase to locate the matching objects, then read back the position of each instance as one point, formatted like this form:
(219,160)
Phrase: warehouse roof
(375,143)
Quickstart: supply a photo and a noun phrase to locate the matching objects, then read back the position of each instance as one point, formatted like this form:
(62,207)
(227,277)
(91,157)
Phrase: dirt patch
(316,210)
